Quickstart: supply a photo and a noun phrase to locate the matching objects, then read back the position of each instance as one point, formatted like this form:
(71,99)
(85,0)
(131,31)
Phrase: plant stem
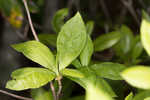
(53,90)
(15,96)
(60,87)
(128,5)
(30,21)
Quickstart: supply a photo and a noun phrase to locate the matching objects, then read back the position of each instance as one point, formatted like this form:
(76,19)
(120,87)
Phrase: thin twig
(105,10)
(15,96)
(53,90)
(30,21)
(122,16)
(128,5)
(60,88)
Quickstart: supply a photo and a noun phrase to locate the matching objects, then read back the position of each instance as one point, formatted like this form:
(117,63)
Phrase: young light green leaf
(145,32)
(95,93)
(106,41)
(85,56)
(129,97)
(27,78)
(137,76)
(72,73)
(48,39)
(38,53)
(142,95)
(108,70)
(148,98)
(58,19)
(124,46)
(71,40)
(91,78)
(41,94)
(89,27)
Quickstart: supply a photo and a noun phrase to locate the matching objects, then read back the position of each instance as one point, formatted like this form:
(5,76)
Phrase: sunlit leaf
(94,81)
(72,73)
(148,98)
(38,53)
(85,56)
(145,32)
(71,40)
(93,92)
(58,19)
(106,41)
(137,76)
(129,97)
(27,78)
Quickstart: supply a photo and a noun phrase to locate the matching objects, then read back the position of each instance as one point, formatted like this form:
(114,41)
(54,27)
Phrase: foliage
(71,57)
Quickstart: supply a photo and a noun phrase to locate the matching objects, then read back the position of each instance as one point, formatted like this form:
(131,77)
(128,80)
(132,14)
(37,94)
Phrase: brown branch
(60,87)
(15,96)
(53,90)
(105,10)
(128,5)
(30,21)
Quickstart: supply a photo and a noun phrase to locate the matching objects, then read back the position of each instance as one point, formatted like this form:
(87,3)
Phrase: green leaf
(72,73)
(71,40)
(137,48)
(124,46)
(85,56)
(137,76)
(58,19)
(41,94)
(108,70)
(148,98)
(142,95)
(38,53)
(48,39)
(90,27)
(145,33)
(96,93)
(90,78)
(76,63)
(106,41)
(27,78)
(129,97)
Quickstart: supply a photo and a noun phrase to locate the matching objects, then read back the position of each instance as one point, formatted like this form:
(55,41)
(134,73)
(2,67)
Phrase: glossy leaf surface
(27,78)
(71,40)
(37,52)
(106,41)
(137,76)
(145,32)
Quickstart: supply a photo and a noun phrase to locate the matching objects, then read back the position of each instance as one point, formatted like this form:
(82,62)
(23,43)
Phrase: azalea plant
(71,61)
